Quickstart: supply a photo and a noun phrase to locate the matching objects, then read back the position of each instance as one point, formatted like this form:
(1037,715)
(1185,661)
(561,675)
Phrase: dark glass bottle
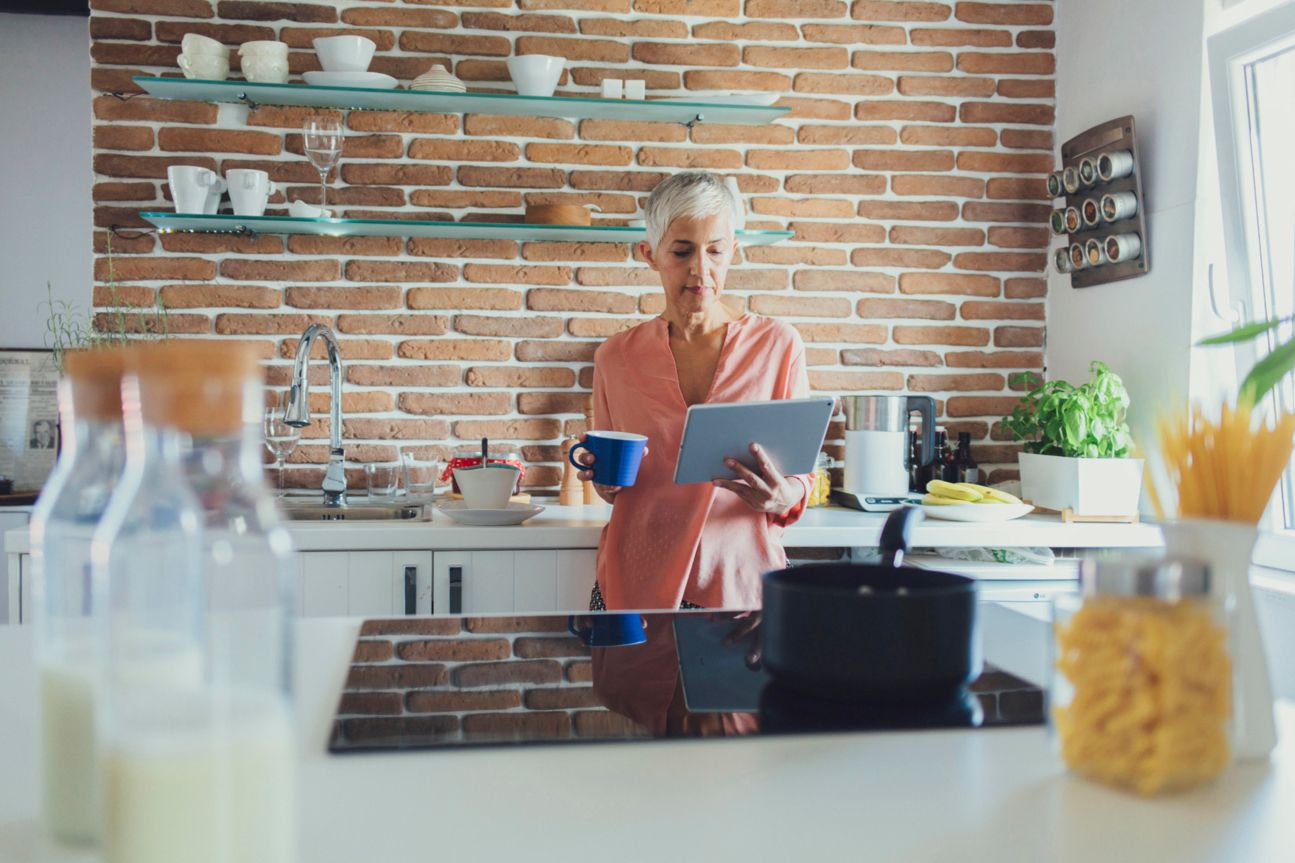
(935,470)
(914,459)
(949,462)
(967,469)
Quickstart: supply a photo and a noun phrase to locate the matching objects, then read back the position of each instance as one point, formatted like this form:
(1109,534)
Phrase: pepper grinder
(590,496)
(570,493)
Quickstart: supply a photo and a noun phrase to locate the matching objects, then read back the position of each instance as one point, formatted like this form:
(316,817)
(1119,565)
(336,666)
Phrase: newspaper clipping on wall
(28,417)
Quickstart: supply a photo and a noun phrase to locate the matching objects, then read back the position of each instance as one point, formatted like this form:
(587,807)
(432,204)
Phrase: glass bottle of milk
(62,523)
(197,742)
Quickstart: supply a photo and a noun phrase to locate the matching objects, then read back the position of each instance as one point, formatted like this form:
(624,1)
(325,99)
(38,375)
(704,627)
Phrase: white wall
(1150,66)
(45,178)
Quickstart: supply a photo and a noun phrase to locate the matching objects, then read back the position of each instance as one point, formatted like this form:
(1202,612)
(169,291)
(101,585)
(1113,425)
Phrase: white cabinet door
(500,582)
(364,583)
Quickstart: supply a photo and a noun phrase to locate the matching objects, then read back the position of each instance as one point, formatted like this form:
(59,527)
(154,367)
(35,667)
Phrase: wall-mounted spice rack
(1104,219)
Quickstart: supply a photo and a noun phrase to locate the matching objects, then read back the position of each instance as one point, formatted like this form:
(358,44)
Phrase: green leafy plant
(68,328)
(1271,368)
(1085,421)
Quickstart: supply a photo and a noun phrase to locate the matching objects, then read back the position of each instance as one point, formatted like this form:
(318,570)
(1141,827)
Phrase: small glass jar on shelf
(1141,695)
(821,490)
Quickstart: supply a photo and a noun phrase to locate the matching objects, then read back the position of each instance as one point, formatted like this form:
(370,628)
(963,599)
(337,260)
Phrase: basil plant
(1085,421)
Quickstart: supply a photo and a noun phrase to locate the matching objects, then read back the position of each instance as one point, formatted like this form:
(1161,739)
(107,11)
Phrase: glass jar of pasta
(1142,681)
(822,487)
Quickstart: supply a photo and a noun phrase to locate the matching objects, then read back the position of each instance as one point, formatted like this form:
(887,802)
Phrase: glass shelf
(568,107)
(517,231)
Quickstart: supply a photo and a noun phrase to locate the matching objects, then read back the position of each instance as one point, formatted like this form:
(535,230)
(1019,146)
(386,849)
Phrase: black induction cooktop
(451,682)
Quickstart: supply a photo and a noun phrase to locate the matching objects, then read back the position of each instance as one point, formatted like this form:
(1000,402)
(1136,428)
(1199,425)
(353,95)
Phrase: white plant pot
(1087,486)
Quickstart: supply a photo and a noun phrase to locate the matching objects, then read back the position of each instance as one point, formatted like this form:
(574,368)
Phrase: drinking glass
(421,475)
(322,140)
(382,479)
(280,438)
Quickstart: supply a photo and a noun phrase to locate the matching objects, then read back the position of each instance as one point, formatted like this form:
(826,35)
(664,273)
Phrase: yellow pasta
(1149,693)
(1224,468)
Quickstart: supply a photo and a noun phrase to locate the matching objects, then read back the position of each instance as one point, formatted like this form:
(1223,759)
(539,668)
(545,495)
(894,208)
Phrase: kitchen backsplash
(910,168)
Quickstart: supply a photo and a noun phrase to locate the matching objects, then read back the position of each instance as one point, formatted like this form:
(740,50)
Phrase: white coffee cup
(1122,247)
(249,190)
(263,47)
(205,67)
(192,186)
(265,69)
(211,206)
(197,45)
(344,53)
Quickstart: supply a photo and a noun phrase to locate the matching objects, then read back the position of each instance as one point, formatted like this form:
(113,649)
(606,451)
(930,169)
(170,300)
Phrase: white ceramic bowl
(344,53)
(535,74)
(486,487)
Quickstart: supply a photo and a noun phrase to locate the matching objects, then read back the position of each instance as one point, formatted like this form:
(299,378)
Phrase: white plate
(729,98)
(977,511)
(367,80)
(516,513)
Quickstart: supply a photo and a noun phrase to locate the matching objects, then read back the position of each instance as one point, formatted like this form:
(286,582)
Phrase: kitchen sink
(315,511)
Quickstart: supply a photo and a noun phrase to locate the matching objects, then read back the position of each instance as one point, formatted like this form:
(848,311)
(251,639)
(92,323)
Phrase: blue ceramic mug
(608,629)
(616,456)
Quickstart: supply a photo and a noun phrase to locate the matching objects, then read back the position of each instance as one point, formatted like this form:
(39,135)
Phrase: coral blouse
(666,542)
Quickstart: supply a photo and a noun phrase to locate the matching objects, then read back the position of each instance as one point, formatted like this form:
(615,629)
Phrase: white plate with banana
(966,501)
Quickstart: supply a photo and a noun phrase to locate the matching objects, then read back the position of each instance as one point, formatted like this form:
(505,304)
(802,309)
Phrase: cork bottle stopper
(95,374)
(197,386)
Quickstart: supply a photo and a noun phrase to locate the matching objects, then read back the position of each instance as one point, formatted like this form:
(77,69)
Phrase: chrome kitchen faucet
(297,413)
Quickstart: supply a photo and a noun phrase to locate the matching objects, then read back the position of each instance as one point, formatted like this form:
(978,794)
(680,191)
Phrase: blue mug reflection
(607,629)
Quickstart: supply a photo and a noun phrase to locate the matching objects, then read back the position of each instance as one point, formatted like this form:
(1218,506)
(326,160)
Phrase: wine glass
(280,438)
(323,145)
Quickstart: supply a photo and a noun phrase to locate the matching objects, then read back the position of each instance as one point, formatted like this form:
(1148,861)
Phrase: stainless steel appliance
(876,477)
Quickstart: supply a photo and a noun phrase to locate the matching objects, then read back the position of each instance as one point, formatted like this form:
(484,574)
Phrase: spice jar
(821,490)
(1141,690)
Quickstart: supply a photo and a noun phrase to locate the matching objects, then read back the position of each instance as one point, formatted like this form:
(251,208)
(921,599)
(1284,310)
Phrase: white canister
(1114,164)
(1119,205)
(1122,247)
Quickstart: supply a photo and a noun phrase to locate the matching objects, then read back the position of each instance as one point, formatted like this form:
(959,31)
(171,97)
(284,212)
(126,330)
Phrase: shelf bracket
(132,233)
(695,120)
(247,100)
(125,97)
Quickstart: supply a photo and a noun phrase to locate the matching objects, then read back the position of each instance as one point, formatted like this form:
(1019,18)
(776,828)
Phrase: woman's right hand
(606,492)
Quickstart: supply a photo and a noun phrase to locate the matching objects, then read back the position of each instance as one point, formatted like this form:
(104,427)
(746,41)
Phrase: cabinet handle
(456,590)
(411,590)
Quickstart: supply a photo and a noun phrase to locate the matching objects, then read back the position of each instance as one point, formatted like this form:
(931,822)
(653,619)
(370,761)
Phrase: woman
(697,545)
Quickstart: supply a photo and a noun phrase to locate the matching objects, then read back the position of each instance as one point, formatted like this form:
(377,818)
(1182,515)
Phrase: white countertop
(926,796)
(580,526)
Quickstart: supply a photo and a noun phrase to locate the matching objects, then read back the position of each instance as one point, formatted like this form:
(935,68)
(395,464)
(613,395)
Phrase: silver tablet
(790,430)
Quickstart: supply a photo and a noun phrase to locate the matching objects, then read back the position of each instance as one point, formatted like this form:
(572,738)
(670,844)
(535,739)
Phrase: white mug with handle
(192,186)
(249,190)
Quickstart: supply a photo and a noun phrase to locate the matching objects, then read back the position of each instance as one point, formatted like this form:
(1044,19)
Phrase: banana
(991,494)
(958,491)
(936,500)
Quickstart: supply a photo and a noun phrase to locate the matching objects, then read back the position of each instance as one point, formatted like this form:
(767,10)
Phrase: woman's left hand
(766,491)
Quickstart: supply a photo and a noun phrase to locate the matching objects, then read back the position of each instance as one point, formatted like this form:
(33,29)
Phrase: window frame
(1229,54)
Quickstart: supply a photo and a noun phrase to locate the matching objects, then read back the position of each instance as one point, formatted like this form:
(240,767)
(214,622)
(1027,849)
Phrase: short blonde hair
(693,194)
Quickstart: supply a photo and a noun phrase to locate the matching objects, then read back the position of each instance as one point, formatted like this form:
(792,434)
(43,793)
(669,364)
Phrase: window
(1252,77)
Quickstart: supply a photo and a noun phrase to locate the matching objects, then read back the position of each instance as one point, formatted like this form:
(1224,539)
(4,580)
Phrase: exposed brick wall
(909,169)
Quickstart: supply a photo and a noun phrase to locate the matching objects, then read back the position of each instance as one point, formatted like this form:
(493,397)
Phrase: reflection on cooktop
(461,681)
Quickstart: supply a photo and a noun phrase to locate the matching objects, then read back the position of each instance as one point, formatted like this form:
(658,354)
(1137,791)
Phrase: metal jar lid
(1170,578)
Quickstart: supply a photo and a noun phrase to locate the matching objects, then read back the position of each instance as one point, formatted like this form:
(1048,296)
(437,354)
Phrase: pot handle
(925,405)
(896,534)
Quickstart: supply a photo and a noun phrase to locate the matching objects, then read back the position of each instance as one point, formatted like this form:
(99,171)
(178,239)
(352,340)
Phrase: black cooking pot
(883,633)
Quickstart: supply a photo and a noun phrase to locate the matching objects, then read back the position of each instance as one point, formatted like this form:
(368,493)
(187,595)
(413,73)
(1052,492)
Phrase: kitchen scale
(530,680)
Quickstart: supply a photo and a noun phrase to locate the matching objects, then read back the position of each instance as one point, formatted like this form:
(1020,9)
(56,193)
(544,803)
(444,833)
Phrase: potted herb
(1076,445)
